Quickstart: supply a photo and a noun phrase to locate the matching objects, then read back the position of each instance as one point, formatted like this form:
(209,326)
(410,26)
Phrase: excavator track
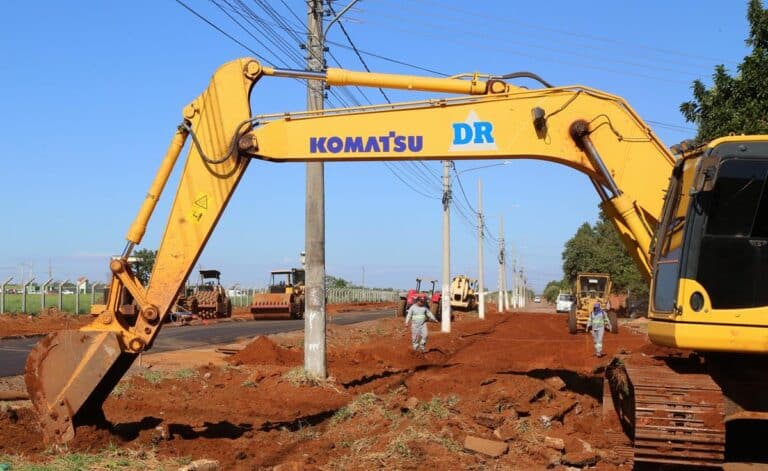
(673,417)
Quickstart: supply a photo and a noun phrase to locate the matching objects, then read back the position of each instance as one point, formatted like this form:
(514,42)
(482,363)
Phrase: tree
(553,288)
(599,249)
(735,104)
(145,261)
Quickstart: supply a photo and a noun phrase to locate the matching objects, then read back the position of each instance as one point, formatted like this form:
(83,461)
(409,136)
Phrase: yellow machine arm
(70,373)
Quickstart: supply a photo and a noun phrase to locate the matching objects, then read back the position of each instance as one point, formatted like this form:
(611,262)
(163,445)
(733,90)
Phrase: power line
(259,56)
(463,14)
(354,48)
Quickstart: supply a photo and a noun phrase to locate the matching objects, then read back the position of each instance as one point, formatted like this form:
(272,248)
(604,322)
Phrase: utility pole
(502,287)
(445,299)
(314,317)
(480,267)
(363,282)
(523,282)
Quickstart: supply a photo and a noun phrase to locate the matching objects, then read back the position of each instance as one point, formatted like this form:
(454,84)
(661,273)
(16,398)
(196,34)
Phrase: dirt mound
(50,321)
(263,351)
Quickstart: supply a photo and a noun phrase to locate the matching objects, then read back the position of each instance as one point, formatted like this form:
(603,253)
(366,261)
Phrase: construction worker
(597,323)
(419,315)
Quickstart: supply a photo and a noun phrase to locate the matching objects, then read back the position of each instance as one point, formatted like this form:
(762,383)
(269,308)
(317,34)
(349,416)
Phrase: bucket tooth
(68,375)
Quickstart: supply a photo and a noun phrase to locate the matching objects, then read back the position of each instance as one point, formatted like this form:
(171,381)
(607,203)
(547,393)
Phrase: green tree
(145,261)
(553,288)
(735,104)
(599,249)
(336,282)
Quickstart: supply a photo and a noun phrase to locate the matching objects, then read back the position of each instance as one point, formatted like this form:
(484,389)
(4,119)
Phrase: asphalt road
(13,352)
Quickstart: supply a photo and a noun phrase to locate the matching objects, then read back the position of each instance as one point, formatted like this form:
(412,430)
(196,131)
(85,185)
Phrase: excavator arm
(593,132)
(70,373)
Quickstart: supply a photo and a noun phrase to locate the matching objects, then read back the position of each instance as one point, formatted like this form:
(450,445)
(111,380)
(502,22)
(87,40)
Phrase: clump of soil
(264,351)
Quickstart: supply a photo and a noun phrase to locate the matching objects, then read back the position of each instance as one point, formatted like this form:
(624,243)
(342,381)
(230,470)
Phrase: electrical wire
(462,15)
(259,56)
(354,48)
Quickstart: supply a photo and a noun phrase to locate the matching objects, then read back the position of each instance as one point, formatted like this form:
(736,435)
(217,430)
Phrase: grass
(185,373)
(437,407)
(110,458)
(13,302)
(153,377)
(121,388)
(360,405)
(300,377)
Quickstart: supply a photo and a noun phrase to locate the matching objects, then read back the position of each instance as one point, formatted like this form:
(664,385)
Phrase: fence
(34,303)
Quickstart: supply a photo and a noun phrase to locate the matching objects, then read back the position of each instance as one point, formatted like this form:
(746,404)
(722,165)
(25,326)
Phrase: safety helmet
(421,299)
(597,304)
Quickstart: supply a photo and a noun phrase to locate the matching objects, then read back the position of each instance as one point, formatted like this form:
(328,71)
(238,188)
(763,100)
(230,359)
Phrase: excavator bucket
(272,306)
(69,374)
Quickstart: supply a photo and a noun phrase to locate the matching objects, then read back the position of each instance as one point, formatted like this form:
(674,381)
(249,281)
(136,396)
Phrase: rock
(506,432)
(585,446)
(489,420)
(555,382)
(522,409)
(207,375)
(487,447)
(411,403)
(545,420)
(289,466)
(580,459)
(554,443)
(509,414)
(201,465)
(557,412)
(537,394)
(552,457)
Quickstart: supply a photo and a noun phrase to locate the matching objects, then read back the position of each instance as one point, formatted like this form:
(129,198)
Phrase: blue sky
(93,90)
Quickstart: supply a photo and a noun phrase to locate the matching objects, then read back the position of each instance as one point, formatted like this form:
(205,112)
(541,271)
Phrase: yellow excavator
(693,222)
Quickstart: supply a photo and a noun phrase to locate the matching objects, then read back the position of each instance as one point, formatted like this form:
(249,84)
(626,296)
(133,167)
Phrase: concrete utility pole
(502,286)
(512,282)
(446,296)
(480,267)
(314,316)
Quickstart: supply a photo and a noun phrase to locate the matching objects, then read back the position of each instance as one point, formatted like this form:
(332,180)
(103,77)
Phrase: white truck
(564,302)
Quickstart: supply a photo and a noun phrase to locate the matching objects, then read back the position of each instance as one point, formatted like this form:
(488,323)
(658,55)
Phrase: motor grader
(694,221)
(463,293)
(207,299)
(589,289)
(285,296)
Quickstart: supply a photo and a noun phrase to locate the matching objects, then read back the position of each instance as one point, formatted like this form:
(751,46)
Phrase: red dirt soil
(517,377)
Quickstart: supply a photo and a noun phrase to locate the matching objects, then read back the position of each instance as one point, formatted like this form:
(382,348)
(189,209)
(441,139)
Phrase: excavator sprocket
(68,375)
(674,415)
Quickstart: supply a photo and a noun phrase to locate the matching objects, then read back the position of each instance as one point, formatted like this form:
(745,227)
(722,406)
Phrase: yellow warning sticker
(199,207)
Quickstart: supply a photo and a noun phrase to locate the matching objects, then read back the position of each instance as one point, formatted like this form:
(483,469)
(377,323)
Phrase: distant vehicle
(564,302)
(537,299)
(67,291)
